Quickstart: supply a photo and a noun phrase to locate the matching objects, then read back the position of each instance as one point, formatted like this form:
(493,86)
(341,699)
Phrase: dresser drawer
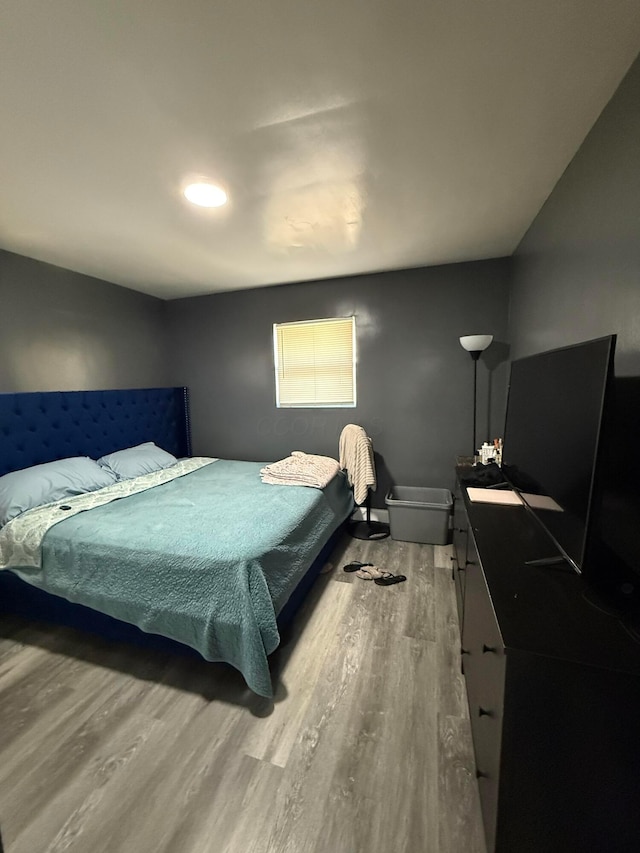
(460,538)
(483,652)
(485,680)
(471,556)
(460,531)
(484,667)
(489,789)
(485,691)
(481,634)
(486,712)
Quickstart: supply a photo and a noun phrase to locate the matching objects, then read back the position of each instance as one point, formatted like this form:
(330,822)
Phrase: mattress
(208,559)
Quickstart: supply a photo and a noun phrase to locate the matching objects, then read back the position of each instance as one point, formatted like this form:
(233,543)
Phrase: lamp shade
(476,343)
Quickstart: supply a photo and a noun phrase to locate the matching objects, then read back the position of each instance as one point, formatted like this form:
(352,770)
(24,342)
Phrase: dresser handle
(482,712)
(481,775)
(486,648)
(471,563)
(464,651)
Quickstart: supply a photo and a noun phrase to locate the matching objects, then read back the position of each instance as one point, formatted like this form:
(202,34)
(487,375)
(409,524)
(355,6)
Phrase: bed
(207,558)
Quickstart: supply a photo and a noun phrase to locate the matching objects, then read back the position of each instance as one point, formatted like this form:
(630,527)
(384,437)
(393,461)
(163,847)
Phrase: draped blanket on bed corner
(208,559)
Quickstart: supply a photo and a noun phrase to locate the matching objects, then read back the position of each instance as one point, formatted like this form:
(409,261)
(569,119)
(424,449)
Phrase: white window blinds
(315,363)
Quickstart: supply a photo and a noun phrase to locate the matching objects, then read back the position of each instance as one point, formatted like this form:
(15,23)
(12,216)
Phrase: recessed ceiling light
(205,194)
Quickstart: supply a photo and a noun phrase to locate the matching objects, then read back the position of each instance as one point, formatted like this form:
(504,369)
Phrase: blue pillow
(50,482)
(136,461)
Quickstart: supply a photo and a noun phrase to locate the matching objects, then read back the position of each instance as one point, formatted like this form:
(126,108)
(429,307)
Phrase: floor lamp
(369,529)
(474,345)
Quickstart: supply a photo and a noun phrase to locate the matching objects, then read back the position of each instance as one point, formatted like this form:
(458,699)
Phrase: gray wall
(577,271)
(61,330)
(576,275)
(414,380)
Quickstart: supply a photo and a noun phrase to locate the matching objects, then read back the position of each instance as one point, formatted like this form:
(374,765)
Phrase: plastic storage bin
(419,514)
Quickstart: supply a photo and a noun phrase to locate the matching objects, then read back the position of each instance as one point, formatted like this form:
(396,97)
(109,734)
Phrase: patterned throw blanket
(301,469)
(21,539)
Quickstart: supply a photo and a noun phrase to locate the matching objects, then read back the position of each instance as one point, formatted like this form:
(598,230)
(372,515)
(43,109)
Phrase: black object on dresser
(554,692)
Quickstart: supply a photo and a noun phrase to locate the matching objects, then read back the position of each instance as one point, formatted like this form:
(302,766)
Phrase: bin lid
(419,496)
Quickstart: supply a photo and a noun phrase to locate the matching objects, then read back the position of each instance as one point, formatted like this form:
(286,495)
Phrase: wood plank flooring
(366,749)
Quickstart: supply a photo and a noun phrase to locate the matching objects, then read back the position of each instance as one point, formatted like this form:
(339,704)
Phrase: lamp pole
(475,355)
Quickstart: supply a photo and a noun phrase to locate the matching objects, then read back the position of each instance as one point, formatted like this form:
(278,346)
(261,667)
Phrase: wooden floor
(367,748)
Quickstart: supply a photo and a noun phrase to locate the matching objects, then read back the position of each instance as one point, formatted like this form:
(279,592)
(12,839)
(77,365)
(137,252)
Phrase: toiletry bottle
(486,452)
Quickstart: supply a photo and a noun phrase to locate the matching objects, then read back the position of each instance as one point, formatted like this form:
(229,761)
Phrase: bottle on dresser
(491,452)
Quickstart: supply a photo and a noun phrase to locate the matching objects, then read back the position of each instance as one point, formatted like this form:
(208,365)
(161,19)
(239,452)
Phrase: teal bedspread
(208,559)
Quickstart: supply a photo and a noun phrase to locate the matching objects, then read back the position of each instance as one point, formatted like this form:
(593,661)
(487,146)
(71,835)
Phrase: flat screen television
(556,408)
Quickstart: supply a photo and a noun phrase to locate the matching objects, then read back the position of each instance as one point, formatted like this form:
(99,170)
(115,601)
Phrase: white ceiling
(351,135)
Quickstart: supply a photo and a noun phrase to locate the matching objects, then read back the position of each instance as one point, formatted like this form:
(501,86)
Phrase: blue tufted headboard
(43,426)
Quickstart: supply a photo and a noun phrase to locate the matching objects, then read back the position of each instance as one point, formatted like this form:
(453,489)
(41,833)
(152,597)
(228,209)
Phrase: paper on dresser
(504,497)
(542,502)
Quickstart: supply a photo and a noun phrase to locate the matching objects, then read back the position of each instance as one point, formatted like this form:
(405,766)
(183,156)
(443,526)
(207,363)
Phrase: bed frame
(41,427)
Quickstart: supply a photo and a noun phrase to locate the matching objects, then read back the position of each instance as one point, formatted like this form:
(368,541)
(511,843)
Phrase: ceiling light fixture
(205,194)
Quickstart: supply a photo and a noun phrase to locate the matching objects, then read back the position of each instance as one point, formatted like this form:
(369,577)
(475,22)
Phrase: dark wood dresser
(554,692)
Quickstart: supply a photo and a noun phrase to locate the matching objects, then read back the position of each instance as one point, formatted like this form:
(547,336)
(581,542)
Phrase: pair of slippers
(369,572)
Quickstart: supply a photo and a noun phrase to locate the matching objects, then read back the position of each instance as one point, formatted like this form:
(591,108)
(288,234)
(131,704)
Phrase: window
(315,363)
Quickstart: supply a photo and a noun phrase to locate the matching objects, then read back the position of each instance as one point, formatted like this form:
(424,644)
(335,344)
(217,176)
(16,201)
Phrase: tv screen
(612,557)
(552,434)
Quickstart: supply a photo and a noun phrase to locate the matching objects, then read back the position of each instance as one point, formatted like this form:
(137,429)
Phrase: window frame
(336,405)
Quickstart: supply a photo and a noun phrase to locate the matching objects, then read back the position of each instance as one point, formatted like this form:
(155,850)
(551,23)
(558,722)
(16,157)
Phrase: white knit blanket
(301,469)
